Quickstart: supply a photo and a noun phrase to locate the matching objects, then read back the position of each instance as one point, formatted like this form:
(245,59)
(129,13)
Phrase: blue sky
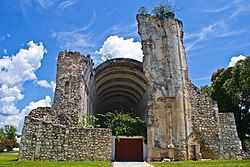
(33,32)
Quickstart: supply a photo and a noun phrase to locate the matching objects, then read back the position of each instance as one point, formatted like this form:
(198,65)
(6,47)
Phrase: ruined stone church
(182,122)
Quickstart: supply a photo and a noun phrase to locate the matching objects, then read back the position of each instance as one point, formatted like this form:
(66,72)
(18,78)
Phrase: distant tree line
(231,89)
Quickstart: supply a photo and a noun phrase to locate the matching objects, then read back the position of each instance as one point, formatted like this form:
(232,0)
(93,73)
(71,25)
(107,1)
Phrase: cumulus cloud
(46,102)
(15,70)
(120,47)
(8,99)
(235,59)
(22,66)
(46,84)
(18,119)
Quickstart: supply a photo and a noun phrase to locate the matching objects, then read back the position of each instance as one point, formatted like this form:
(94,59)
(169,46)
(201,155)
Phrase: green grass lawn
(209,163)
(10,160)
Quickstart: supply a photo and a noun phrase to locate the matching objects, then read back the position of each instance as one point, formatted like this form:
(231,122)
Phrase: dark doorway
(129,149)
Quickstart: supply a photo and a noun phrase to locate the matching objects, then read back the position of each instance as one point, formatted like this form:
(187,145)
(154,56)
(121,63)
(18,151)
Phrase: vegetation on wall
(143,10)
(88,122)
(206,89)
(124,124)
(8,138)
(159,11)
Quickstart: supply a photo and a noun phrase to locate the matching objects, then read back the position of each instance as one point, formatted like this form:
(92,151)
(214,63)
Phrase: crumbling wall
(74,74)
(230,143)
(45,140)
(179,115)
(165,68)
(216,132)
(205,121)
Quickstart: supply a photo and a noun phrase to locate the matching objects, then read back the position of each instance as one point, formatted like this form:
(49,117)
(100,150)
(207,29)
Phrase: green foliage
(206,89)
(10,132)
(219,92)
(124,124)
(143,10)
(247,144)
(161,10)
(231,90)
(8,138)
(108,56)
(88,122)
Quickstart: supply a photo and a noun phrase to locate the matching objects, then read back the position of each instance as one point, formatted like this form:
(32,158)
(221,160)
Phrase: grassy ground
(209,163)
(10,160)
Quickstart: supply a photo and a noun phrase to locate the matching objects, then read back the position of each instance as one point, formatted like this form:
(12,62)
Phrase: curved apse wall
(121,83)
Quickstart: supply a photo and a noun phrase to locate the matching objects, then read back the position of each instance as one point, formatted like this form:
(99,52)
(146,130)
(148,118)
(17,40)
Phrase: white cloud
(235,59)
(46,102)
(73,40)
(122,30)
(76,38)
(218,29)
(45,3)
(8,99)
(18,119)
(46,84)
(15,70)
(240,7)
(21,67)
(217,10)
(66,4)
(120,47)
(5,52)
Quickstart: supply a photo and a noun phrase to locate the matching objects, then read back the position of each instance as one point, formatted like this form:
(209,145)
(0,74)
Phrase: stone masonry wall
(44,140)
(205,123)
(230,143)
(215,132)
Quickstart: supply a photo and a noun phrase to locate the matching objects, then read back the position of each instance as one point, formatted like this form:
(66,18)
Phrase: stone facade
(44,139)
(182,122)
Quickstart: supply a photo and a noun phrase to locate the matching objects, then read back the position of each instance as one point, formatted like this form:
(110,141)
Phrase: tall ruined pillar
(165,67)
(72,80)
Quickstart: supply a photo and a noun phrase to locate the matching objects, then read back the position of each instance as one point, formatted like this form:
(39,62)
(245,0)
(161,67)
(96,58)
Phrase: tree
(161,10)
(8,138)
(219,91)
(143,10)
(10,132)
(231,90)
